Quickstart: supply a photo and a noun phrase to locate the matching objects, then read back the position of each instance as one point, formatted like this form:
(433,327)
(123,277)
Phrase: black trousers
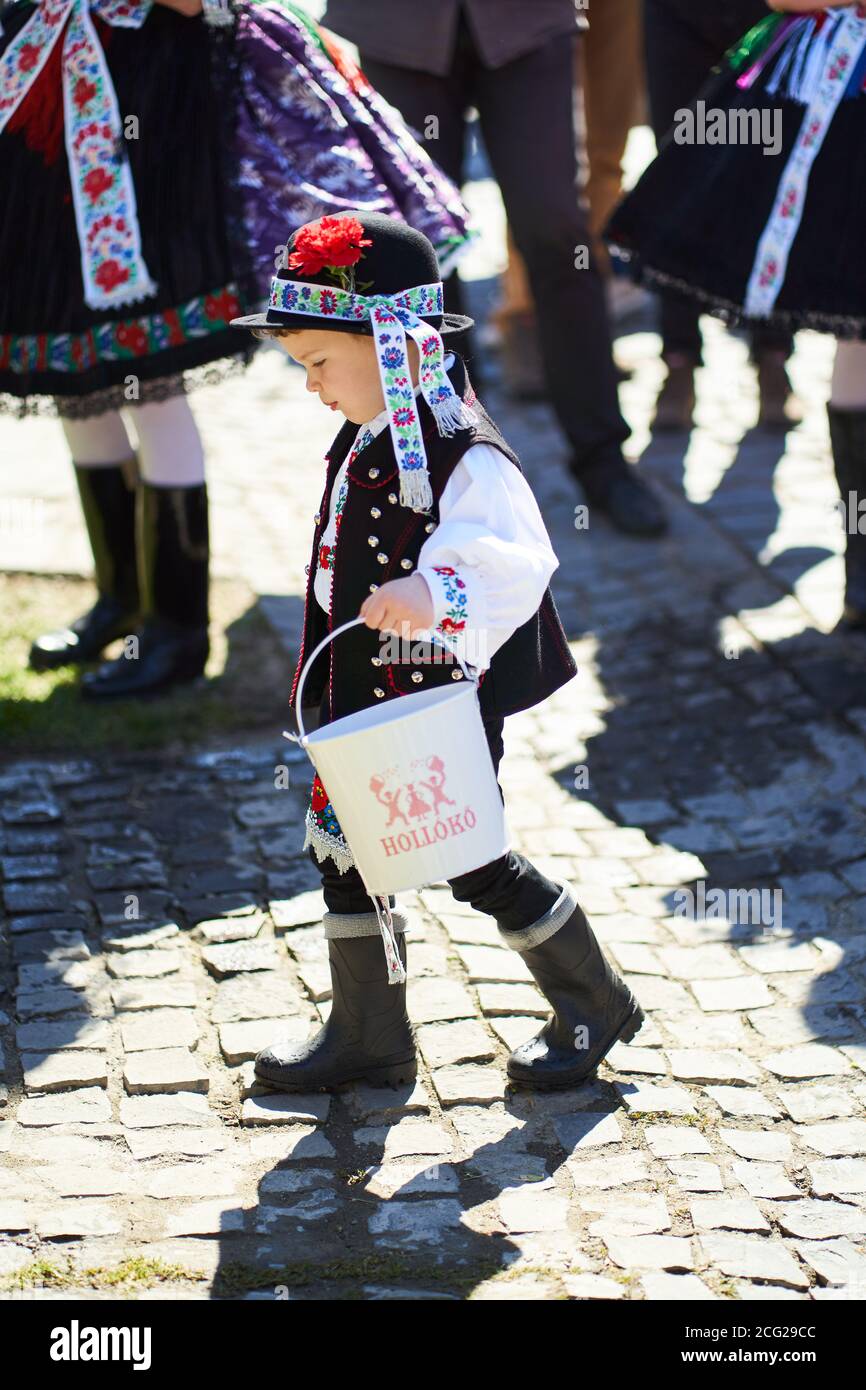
(684,40)
(510,889)
(526,110)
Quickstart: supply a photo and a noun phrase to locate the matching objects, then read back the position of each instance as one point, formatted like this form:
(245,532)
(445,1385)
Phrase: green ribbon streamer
(753,43)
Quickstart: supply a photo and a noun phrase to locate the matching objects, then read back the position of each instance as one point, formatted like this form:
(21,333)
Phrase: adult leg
(418,96)
(173,557)
(679,56)
(612,79)
(538,182)
(847,417)
(104,464)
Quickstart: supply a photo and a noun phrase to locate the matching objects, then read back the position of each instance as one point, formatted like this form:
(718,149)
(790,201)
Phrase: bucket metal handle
(344,627)
(396,969)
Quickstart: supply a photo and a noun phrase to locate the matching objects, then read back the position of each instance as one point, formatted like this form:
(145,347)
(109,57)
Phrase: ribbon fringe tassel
(452,414)
(415,490)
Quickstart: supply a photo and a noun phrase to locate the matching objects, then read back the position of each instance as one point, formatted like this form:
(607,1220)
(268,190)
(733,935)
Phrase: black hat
(394,258)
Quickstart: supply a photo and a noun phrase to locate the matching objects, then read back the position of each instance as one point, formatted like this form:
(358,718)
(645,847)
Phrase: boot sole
(38,661)
(624,1033)
(395,1074)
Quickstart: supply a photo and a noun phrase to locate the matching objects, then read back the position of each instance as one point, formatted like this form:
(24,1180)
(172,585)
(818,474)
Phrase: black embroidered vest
(378,541)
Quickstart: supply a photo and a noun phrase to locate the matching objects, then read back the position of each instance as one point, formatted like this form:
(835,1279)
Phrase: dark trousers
(684,40)
(527,119)
(510,889)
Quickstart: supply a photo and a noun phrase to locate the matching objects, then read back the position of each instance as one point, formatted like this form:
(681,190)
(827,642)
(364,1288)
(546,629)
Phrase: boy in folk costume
(426,523)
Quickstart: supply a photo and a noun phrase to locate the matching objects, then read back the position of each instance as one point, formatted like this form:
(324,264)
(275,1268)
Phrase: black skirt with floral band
(756,204)
(151,168)
(51,343)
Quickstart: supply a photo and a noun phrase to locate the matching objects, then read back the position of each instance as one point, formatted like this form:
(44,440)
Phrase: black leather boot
(848,438)
(108,502)
(368,1035)
(173,557)
(593,1007)
(616,488)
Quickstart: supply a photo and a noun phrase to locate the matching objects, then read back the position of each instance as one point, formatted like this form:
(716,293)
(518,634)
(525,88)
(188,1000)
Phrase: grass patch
(245,687)
(234,1278)
(133,1273)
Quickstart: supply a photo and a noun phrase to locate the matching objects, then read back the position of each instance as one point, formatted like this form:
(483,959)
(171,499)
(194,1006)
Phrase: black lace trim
(789,320)
(115,398)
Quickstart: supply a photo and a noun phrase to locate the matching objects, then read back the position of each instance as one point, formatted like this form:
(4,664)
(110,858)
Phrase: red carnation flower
(330,241)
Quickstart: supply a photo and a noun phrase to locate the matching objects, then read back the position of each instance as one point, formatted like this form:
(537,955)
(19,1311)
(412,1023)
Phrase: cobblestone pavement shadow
(702,783)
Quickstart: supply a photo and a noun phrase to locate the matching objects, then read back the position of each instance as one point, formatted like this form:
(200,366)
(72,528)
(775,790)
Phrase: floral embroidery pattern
(112,265)
(455,595)
(323,829)
(326,551)
(844,48)
(392,317)
(127,338)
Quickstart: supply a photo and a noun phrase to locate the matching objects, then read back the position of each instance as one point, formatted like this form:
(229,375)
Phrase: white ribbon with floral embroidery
(112,266)
(774,248)
(392,317)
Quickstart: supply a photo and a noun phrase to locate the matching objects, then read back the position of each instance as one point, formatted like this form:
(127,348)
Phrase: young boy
(426,523)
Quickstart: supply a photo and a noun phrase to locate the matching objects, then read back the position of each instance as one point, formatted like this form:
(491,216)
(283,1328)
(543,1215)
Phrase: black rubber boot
(108,502)
(848,438)
(367,1036)
(593,1007)
(173,561)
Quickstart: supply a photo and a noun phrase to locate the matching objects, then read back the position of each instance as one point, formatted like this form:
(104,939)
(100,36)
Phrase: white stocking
(98,440)
(170,450)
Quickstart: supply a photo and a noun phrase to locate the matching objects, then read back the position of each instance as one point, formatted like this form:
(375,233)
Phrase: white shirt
(491,542)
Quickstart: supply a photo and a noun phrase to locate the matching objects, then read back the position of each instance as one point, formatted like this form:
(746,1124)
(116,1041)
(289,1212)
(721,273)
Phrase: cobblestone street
(714,736)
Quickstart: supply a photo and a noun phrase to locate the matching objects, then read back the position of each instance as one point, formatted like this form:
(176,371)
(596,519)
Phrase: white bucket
(412,784)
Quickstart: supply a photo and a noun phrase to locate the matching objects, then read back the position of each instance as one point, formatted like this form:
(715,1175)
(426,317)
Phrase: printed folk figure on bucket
(439,538)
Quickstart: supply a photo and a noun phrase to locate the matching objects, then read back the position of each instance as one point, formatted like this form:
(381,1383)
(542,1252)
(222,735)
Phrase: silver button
(383,559)
(431,526)
(417,676)
(373,588)
(392,497)
(375,513)
(376,660)
(405,564)
(373,473)
(372,540)
(306,569)
(379,693)
(317,518)
(457,675)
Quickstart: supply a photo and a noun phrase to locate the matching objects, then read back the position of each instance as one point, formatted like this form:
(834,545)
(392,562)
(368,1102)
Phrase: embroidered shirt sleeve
(489,561)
